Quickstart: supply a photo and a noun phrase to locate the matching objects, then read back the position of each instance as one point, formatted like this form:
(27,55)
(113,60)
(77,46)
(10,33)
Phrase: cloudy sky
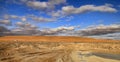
(93,18)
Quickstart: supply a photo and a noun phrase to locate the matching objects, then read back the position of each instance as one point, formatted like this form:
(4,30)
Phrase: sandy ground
(59,52)
(14,50)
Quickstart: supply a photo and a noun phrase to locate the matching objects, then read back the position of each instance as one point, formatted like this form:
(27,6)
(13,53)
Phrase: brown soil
(54,39)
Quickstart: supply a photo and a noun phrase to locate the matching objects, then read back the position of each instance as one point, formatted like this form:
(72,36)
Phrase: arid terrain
(58,49)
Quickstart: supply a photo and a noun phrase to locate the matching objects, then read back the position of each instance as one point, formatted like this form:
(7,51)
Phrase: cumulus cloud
(63,28)
(30,17)
(99,30)
(115,36)
(26,25)
(29,29)
(7,16)
(20,24)
(56,2)
(14,16)
(5,22)
(4,31)
(46,5)
(69,10)
(58,31)
(25,29)
(85,8)
(55,13)
(37,4)
(24,19)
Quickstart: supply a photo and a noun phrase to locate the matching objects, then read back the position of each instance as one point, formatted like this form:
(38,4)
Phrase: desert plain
(58,49)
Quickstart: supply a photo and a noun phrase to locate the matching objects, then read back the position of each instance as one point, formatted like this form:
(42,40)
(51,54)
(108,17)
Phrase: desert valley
(58,49)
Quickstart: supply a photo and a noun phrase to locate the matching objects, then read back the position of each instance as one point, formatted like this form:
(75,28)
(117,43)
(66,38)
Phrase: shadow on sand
(108,56)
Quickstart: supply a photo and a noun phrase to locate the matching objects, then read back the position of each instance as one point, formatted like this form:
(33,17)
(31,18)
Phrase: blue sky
(87,19)
(53,14)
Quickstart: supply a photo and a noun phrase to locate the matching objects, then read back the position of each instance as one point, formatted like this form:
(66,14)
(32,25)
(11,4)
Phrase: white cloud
(115,36)
(23,19)
(20,24)
(24,0)
(5,22)
(58,31)
(55,13)
(13,16)
(32,17)
(63,28)
(37,4)
(85,8)
(44,5)
(29,29)
(25,29)
(25,25)
(57,1)
(99,30)
(6,16)
(68,10)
